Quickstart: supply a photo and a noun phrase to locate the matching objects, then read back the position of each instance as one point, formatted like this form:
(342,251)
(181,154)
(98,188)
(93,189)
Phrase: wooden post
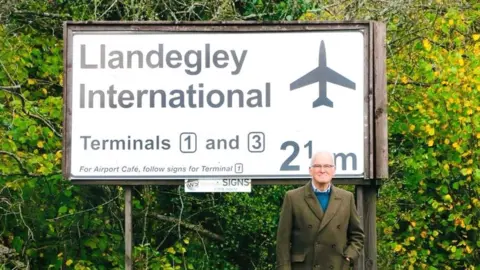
(380,103)
(380,144)
(360,264)
(128,228)
(370,228)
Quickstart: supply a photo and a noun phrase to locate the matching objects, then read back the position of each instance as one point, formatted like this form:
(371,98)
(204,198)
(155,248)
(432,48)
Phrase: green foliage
(436,109)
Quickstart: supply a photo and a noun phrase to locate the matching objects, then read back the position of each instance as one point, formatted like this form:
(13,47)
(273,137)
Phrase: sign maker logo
(192,184)
(322,74)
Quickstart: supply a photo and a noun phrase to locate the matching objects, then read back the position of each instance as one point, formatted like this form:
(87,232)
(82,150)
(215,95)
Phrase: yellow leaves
(308,16)
(186,241)
(412,127)
(459,222)
(171,250)
(58,155)
(44,91)
(427,45)
(476,202)
(476,37)
(40,144)
(430,142)
(451,22)
(423,234)
(435,233)
(447,141)
(31,81)
(404,80)
(411,238)
(446,167)
(13,185)
(430,130)
(413,223)
(469,111)
(455,145)
(476,71)
(447,198)
(69,262)
(478,135)
(468,249)
(461,63)
(398,248)
(466,171)
(41,169)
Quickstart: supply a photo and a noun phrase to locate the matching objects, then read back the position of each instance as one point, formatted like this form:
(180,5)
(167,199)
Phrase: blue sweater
(323,198)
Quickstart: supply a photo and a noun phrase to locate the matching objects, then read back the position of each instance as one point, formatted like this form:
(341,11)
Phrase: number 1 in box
(188,142)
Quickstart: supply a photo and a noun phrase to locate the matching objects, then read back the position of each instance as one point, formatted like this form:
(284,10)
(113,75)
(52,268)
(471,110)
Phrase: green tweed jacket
(309,239)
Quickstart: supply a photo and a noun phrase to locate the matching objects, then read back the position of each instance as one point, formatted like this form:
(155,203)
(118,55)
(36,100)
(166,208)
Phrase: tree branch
(44,14)
(87,210)
(17,159)
(10,89)
(10,258)
(24,171)
(196,228)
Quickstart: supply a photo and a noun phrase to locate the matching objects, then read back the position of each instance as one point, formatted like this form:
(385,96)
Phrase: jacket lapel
(333,205)
(312,201)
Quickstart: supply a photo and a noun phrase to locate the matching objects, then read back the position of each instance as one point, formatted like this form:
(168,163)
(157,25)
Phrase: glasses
(325,166)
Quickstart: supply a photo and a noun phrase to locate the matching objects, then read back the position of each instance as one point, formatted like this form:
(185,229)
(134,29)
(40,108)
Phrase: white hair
(316,153)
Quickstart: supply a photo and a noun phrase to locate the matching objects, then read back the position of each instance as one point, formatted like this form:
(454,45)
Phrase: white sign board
(201,105)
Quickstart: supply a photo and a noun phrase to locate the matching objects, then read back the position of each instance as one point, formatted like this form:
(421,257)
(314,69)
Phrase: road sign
(244,102)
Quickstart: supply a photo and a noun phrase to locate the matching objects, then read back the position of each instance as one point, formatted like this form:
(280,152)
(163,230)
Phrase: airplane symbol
(322,74)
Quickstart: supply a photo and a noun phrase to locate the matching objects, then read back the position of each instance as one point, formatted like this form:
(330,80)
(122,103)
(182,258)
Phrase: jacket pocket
(298,258)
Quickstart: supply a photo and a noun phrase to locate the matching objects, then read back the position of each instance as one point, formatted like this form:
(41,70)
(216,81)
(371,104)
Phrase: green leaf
(17,243)
(91,243)
(444,189)
(62,209)
(102,244)
(455,185)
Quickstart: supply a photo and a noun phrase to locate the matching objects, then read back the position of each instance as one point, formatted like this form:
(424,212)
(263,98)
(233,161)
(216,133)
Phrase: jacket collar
(333,204)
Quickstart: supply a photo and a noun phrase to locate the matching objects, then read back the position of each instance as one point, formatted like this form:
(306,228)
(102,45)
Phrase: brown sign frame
(375,94)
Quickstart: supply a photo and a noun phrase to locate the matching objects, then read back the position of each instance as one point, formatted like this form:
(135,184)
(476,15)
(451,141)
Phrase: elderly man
(319,227)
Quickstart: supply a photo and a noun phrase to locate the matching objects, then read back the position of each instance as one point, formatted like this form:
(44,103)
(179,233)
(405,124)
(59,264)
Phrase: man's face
(322,170)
